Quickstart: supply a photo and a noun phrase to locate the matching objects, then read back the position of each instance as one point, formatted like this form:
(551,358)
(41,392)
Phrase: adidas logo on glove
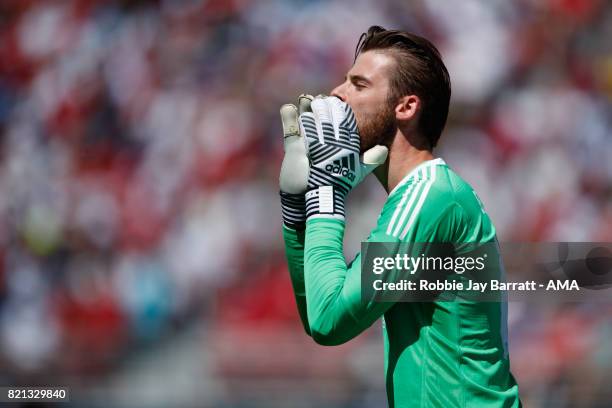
(344,167)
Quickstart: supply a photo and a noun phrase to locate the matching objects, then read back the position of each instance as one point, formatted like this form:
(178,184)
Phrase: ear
(407,107)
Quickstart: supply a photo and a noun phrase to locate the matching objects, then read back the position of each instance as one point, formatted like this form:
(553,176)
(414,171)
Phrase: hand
(333,146)
(293,178)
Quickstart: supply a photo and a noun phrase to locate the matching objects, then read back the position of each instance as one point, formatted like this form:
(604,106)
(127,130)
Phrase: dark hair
(420,71)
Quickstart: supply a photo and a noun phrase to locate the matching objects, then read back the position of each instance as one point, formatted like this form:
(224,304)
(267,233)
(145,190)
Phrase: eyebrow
(359,78)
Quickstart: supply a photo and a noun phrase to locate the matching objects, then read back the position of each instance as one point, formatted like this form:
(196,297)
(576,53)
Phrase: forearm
(329,295)
(294,251)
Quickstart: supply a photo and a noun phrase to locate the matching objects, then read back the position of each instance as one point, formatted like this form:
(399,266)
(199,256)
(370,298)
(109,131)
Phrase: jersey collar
(433,162)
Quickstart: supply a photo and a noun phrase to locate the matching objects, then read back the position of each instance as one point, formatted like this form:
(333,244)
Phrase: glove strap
(294,210)
(325,202)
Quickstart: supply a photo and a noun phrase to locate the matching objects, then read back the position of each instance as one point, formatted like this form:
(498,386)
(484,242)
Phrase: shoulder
(434,204)
(418,203)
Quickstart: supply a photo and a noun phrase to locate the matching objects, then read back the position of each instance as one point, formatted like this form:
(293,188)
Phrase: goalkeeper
(387,117)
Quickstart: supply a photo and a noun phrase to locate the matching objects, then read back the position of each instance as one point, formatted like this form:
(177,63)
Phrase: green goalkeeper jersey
(437,354)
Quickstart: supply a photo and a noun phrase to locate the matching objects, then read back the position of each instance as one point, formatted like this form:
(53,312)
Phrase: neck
(403,158)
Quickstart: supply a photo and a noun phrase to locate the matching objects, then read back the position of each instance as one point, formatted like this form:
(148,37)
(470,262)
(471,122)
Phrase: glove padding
(294,169)
(293,178)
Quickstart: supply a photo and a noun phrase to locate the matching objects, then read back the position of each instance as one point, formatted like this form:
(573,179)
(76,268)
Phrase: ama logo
(344,167)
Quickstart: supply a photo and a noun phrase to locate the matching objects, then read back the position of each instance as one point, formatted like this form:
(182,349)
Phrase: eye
(359,86)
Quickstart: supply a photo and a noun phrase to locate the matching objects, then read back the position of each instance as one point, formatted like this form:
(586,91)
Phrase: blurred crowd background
(141,260)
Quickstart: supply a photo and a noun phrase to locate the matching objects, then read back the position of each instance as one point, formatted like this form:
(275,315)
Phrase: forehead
(374,66)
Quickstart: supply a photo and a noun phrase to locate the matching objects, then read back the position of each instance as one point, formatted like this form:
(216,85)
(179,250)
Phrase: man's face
(366,91)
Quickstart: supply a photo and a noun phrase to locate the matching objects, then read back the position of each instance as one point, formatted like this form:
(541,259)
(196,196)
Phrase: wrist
(325,202)
(293,208)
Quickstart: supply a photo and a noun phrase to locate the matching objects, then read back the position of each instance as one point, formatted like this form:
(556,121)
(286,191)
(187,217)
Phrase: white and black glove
(332,147)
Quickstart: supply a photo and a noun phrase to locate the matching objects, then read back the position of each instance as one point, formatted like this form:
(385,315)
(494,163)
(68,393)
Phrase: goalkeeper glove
(333,147)
(293,178)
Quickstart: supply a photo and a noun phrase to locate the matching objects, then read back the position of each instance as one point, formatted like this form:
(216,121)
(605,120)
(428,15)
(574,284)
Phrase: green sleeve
(333,289)
(294,250)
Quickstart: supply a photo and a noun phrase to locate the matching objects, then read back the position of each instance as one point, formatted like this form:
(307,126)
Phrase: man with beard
(394,100)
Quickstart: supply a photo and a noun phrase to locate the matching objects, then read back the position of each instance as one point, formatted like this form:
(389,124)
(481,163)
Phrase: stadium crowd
(141,145)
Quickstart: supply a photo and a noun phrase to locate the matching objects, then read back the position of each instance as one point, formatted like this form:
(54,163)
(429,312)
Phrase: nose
(339,93)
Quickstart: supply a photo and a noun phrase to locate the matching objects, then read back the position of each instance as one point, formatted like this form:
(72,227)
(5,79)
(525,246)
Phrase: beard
(377,128)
